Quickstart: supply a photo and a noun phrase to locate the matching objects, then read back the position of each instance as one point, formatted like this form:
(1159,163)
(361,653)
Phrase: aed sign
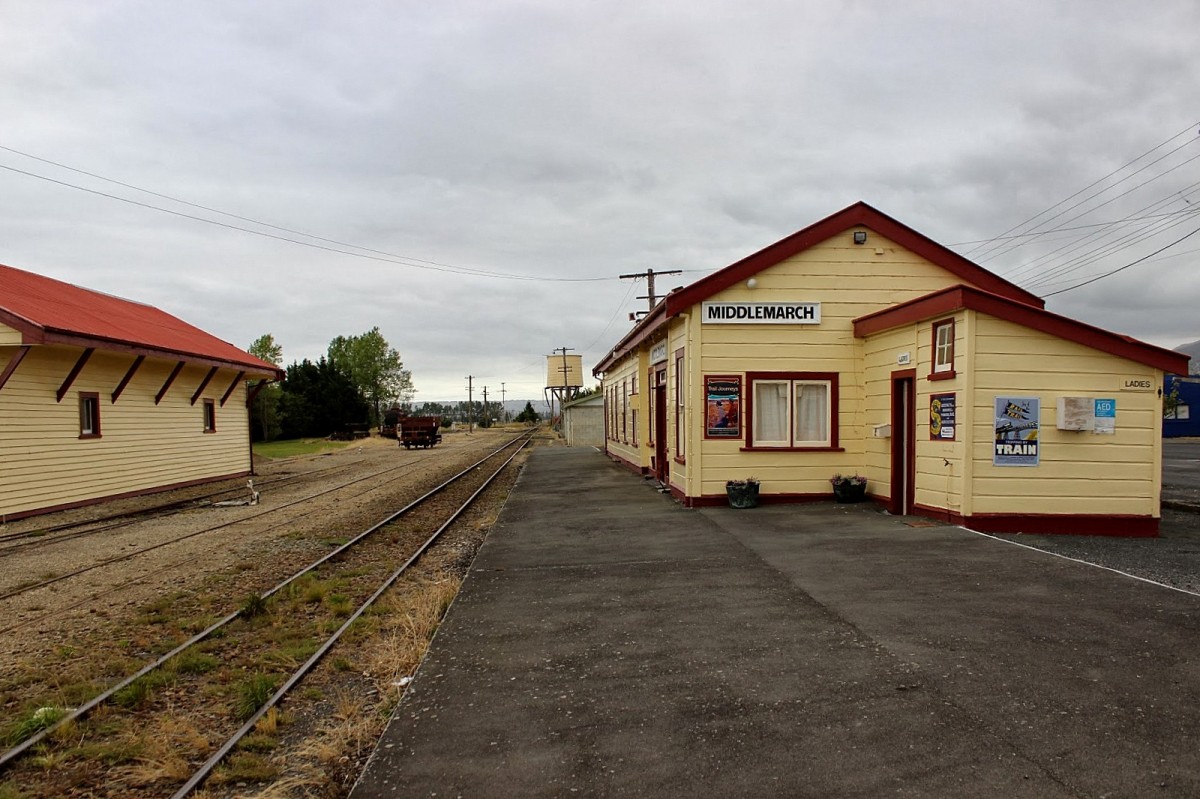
(1137,384)
(1106,409)
(761,313)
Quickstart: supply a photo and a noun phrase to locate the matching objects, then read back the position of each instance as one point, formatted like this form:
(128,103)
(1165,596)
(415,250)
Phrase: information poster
(1017,421)
(942,409)
(723,407)
(1106,417)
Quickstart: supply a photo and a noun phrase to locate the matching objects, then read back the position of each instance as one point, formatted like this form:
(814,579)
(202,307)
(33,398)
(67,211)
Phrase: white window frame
(943,350)
(792,382)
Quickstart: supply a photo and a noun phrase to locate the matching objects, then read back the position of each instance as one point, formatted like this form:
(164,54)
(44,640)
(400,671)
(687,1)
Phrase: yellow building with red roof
(858,346)
(102,397)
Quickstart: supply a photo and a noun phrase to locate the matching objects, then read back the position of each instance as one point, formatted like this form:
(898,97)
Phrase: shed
(102,398)
(583,421)
(859,346)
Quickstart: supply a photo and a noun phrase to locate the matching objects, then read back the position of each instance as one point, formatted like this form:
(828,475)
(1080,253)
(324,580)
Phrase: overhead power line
(366,252)
(1126,266)
(1076,194)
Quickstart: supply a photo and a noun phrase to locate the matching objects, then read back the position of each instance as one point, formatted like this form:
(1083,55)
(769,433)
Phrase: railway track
(67,531)
(360,571)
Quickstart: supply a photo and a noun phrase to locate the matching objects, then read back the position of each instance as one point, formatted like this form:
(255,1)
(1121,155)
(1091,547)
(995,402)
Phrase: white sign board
(761,313)
(658,352)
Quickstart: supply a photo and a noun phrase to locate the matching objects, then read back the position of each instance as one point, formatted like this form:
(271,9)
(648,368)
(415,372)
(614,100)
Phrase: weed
(10,791)
(257,742)
(340,605)
(316,591)
(142,689)
(341,664)
(193,662)
(253,694)
(248,767)
(254,605)
(37,721)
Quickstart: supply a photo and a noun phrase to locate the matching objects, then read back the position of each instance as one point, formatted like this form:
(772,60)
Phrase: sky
(473,177)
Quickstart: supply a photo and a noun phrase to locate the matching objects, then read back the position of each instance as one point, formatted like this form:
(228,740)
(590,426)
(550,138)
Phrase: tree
(375,369)
(266,404)
(528,415)
(318,399)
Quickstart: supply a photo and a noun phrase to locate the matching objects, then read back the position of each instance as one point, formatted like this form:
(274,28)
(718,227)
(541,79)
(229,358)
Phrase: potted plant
(849,487)
(742,493)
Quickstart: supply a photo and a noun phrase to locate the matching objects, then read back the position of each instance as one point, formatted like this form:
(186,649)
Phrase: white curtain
(812,413)
(770,411)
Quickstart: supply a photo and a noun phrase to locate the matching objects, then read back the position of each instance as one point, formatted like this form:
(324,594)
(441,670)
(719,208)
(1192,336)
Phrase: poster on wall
(942,409)
(723,407)
(1017,420)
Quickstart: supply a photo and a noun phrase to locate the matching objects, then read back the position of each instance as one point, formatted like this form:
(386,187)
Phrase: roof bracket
(232,386)
(13,364)
(204,384)
(162,392)
(75,370)
(128,376)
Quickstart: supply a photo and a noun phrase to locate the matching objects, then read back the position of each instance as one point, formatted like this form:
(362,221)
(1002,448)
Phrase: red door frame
(660,425)
(904,441)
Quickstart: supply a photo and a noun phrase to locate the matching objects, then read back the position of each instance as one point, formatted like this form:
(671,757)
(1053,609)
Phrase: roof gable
(956,298)
(48,311)
(858,215)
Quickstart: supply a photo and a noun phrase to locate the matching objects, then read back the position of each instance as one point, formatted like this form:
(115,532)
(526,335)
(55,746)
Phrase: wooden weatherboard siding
(849,281)
(44,463)
(1080,473)
(8,338)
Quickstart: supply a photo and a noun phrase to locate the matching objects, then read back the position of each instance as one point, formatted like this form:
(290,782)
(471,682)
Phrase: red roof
(858,215)
(48,311)
(955,298)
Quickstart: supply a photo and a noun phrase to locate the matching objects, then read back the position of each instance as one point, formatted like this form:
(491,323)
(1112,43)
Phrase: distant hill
(1193,351)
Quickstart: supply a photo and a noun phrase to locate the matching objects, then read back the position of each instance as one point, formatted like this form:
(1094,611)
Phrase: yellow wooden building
(859,346)
(102,397)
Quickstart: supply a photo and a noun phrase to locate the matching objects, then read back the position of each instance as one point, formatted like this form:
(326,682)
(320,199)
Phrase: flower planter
(850,492)
(742,493)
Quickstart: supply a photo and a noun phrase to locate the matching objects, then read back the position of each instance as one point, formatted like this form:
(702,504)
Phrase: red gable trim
(641,331)
(858,215)
(957,298)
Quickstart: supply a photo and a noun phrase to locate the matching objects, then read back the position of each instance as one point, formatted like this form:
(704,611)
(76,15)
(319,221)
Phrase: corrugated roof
(49,311)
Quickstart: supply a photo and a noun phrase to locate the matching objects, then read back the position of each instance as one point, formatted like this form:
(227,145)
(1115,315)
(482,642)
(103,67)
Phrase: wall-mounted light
(751,283)
(860,237)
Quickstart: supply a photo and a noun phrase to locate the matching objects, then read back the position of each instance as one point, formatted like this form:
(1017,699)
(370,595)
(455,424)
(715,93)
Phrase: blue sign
(1106,409)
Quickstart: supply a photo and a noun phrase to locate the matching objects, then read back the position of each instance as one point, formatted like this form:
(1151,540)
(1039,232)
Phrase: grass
(254,693)
(298,446)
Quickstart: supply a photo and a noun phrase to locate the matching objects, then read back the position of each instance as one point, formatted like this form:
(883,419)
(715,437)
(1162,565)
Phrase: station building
(102,398)
(859,346)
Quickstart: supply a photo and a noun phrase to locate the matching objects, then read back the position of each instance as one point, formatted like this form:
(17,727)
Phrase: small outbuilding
(858,346)
(102,398)
(583,421)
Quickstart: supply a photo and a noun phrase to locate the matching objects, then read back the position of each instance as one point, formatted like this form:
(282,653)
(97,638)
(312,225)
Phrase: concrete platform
(610,643)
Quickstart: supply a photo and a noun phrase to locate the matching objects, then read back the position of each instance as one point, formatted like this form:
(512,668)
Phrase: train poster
(1017,422)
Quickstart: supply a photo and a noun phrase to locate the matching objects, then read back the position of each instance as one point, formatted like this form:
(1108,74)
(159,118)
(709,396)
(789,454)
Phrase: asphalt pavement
(608,642)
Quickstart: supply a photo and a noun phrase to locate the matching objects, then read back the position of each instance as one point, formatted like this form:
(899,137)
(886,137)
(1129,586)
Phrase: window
(680,420)
(624,412)
(210,416)
(943,350)
(89,415)
(793,411)
(634,423)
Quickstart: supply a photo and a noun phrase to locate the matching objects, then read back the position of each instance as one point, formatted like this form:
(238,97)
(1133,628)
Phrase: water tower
(564,377)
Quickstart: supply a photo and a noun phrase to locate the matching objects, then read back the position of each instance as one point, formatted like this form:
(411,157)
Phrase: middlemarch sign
(761,313)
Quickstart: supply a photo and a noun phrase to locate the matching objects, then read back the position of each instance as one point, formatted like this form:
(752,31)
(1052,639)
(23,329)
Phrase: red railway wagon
(420,431)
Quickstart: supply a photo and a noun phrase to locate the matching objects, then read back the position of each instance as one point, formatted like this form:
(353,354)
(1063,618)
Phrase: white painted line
(1084,562)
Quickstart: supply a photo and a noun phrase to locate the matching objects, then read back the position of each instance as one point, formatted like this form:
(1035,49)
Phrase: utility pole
(649,274)
(503,407)
(470,404)
(486,415)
